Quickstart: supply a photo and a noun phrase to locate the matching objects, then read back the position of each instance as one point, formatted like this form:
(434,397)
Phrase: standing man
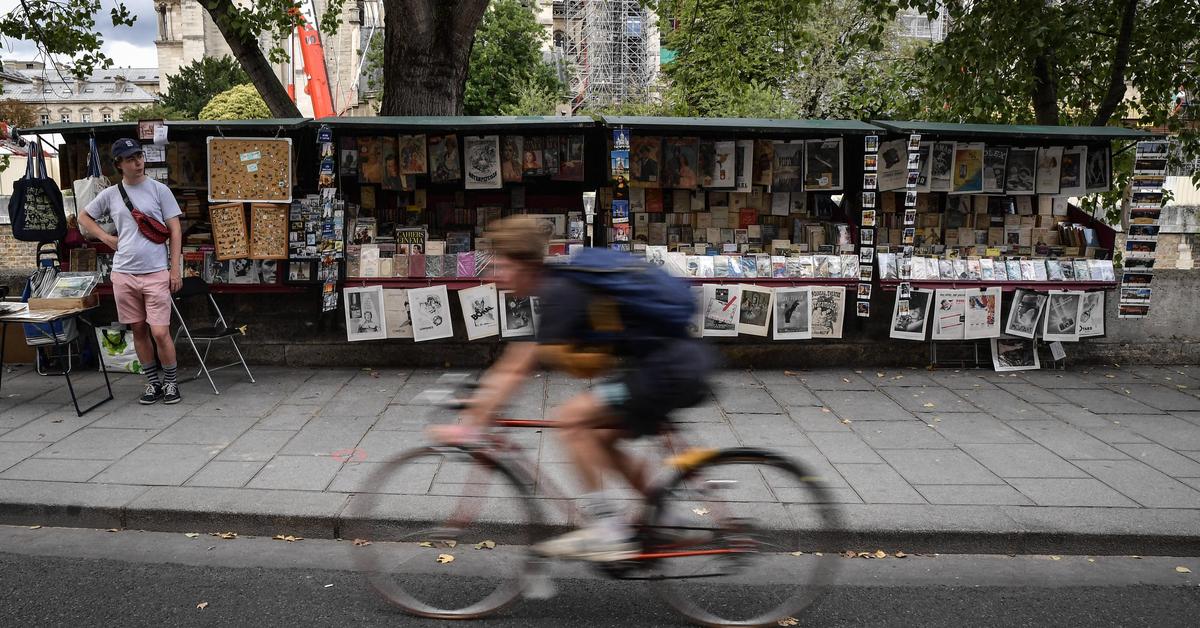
(143,276)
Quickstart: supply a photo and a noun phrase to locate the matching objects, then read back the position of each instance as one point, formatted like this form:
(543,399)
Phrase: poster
(923,167)
(442,159)
(823,165)
(892,165)
(571,158)
(430,310)
(720,310)
(1049,170)
(365,314)
(941,165)
(827,306)
(793,314)
(754,313)
(745,166)
(983,314)
(967,175)
(644,159)
(392,177)
(1097,169)
(764,159)
(787,168)
(681,161)
(512,147)
(910,325)
(480,310)
(516,319)
(1015,354)
(412,154)
(397,320)
(1025,313)
(1071,172)
(1020,171)
(949,311)
(723,169)
(482,155)
(995,162)
(696,326)
(1062,316)
(1091,314)
(370,160)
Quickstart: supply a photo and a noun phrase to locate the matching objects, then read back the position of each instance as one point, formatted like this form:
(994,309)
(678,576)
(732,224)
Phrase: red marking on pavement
(350,455)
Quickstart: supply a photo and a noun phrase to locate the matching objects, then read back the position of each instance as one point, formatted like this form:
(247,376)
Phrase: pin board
(268,231)
(229,231)
(250,169)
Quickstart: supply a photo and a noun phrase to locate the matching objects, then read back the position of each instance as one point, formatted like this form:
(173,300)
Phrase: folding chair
(219,329)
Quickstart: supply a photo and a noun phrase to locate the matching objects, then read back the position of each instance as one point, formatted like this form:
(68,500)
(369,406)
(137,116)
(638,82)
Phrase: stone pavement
(1096,460)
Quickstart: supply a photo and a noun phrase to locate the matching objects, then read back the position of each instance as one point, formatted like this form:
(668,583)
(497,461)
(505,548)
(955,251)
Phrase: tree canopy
(156,111)
(197,83)
(238,103)
(507,64)
(17,114)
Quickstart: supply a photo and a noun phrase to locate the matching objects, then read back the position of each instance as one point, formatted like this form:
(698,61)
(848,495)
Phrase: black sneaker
(171,393)
(153,393)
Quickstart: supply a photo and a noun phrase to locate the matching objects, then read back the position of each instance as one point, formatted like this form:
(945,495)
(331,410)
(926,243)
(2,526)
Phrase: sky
(128,46)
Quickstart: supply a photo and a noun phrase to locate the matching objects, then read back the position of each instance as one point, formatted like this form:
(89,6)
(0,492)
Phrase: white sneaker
(601,541)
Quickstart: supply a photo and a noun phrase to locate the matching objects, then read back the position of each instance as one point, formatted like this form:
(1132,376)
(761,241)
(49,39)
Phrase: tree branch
(1116,81)
(245,48)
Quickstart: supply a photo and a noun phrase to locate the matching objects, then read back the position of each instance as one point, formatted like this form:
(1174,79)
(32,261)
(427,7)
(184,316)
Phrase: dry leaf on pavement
(797,553)
(361,542)
(114,529)
(846,379)
(202,605)
(790,373)
(224,535)
(34,527)
(450,544)
(845,421)
(485,545)
(445,558)
(901,555)
(191,535)
(700,511)
(1056,558)
(424,544)
(1183,570)
(928,405)
(880,554)
(289,538)
(789,621)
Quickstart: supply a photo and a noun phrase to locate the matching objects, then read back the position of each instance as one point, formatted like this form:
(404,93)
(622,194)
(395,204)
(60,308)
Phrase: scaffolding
(612,49)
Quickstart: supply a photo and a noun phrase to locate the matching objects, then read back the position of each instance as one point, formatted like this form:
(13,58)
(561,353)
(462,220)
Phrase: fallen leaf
(1183,570)
(797,553)
(880,554)
(700,511)
(859,372)
(928,405)
(1180,386)
(898,377)
(328,586)
(192,535)
(451,544)
(790,373)
(445,558)
(485,545)
(825,410)
(1111,376)
(1056,558)
(846,379)
(224,535)
(789,621)
(1091,560)
(424,544)
(849,554)
(901,555)
(1136,557)
(289,538)
(880,375)
(361,542)
(114,529)
(202,605)
(819,554)
(34,527)
(845,421)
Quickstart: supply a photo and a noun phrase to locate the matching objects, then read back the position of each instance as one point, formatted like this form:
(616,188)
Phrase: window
(64,118)
(44,118)
(86,117)
(108,117)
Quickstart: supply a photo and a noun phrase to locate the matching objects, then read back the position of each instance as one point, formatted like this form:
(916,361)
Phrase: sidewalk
(1101,460)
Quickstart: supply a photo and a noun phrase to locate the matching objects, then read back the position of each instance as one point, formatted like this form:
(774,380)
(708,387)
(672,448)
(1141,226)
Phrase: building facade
(57,96)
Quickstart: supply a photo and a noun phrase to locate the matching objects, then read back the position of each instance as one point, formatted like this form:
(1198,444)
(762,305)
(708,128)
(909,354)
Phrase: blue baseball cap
(125,147)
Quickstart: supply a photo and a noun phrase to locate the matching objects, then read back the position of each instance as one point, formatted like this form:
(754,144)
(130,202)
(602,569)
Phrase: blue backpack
(649,300)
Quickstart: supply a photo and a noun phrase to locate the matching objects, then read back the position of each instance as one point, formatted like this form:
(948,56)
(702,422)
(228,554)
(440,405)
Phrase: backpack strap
(125,196)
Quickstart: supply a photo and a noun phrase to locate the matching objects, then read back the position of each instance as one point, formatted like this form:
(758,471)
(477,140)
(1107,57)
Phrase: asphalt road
(54,577)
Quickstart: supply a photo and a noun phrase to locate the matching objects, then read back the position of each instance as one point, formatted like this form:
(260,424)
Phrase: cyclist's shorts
(644,394)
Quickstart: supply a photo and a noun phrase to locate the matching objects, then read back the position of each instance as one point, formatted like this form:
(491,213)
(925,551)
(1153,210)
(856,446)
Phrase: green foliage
(64,30)
(239,103)
(533,100)
(17,114)
(156,111)
(197,83)
(507,68)
(278,19)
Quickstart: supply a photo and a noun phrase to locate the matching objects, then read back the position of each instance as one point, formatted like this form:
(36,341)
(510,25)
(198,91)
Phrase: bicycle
(703,565)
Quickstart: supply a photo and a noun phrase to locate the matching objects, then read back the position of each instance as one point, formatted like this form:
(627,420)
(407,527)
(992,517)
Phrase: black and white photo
(430,310)
(1062,316)
(826,310)
(823,165)
(755,310)
(721,308)
(1025,313)
(941,166)
(911,325)
(1015,354)
(792,321)
(995,160)
(480,310)
(516,319)
(1020,171)
(1049,170)
(1091,314)
(788,168)
(397,319)
(1096,169)
(364,314)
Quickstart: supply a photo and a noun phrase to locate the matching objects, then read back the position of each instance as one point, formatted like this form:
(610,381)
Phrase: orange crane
(317,87)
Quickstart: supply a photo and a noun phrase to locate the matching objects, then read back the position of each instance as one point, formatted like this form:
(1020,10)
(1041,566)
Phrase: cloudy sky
(128,46)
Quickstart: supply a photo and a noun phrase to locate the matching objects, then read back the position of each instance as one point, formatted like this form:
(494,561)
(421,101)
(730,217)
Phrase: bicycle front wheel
(727,533)
(448,530)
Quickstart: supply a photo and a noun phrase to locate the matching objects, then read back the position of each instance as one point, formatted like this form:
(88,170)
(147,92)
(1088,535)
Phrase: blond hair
(519,238)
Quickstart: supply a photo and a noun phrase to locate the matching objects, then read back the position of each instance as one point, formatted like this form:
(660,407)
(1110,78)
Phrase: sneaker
(598,542)
(153,393)
(171,393)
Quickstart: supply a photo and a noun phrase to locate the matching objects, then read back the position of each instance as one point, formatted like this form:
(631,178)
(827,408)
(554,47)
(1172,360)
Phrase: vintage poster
(910,325)
(370,160)
(941,166)
(755,312)
(923,167)
(822,165)
(983,314)
(397,320)
(1091,314)
(364,314)
(681,163)
(745,166)
(1071,173)
(412,155)
(827,307)
(1020,171)
(1025,312)
(723,169)
(1015,354)
(443,160)
(995,162)
(793,314)
(764,159)
(1097,168)
(787,170)
(1062,316)
(482,159)
(393,179)
(348,156)
(516,319)
(512,147)
(533,155)
(480,310)
(645,155)
(949,310)
(430,311)
(968,169)
(571,158)
(721,307)
(892,166)
(1049,170)
(550,155)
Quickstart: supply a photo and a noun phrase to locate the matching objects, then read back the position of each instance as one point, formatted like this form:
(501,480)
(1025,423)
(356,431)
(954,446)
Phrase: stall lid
(743,126)
(478,124)
(951,130)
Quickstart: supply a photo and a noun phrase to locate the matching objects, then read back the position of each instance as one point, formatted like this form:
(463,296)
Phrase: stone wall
(15,255)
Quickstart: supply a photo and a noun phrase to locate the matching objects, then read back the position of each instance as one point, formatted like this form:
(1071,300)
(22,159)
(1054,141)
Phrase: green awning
(108,128)
(475,124)
(950,130)
(743,126)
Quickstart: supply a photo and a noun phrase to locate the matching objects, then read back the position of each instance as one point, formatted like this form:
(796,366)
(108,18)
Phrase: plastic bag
(117,350)
(89,187)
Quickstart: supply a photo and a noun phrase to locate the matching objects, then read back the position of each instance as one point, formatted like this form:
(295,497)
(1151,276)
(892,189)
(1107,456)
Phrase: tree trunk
(427,52)
(250,56)
(1045,89)
(1116,81)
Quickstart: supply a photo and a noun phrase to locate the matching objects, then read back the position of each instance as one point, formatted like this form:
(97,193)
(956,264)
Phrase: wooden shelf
(1005,286)
(454,283)
(777,281)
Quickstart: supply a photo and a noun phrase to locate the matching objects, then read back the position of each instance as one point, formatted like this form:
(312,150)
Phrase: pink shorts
(143,297)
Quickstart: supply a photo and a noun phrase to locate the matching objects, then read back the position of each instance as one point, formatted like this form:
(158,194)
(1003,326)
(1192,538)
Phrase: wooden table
(44,320)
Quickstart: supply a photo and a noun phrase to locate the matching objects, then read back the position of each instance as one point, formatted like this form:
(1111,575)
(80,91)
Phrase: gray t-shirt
(135,254)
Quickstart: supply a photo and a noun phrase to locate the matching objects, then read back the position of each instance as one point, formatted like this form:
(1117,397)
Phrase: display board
(229,231)
(250,169)
(268,231)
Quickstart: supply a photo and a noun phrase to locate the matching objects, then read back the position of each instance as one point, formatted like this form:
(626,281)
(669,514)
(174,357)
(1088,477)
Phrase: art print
(412,155)
(571,158)
(1071,172)
(348,157)
(532,157)
(430,310)
(364,314)
(982,317)
(1049,170)
(512,148)
(893,166)
(516,319)
(723,167)
(482,159)
(1091,314)
(396,316)
(995,162)
(787,170)
(941,166)
(923,167)
(792,314)
(681,167)
(745,166)
(826,310)
(823,164)
(645,155)
(764,159)
(754,313)
(1097,169)
(911,325)
(393,178)
(1015,354)
(480,310)
(1025,312)
(1062,316)
(1021,171)
(949,312)
(721,308)
(968,169)
(370,160)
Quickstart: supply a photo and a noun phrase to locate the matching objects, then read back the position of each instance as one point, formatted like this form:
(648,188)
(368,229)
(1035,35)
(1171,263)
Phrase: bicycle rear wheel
(448,531)
(741,512)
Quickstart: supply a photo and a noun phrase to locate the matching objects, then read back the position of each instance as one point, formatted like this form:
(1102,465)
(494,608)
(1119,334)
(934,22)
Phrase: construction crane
(317,85)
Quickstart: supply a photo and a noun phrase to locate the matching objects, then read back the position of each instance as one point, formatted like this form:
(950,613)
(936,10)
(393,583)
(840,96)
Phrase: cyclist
(650,369)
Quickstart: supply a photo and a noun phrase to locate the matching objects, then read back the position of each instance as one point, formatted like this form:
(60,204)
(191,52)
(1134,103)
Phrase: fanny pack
(150,228)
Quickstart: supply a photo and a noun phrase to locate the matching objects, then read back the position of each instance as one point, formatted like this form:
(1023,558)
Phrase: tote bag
(89,187)
(36,206)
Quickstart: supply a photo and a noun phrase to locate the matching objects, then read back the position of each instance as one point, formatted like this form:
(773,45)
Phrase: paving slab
(841,447)
(157,465)
(287,417)
(55,470)
(835,379)
(879,484)
(137,416)
(817,419)
(902,379)
(938,466)
(1161,397)
(1059,380)
(1143,484)
(971,427)
(225,474)
(47,429)
(414,479)
(19,415)
(747,400)
(1165,430)
(960,379)
(1102,401)
(301,473)
(1071,492)
(1004,405)
(864,405)
(1022,461)
(74,504)
(974,495)
(1066,441)
(1031,393)
(1073,414)
(204,430)
(1169,462)
(793,394)
(899,435)
(767,430)
(256,445)
(324,436)
(377,445)
(930,400)
(245,511)
(94,443)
